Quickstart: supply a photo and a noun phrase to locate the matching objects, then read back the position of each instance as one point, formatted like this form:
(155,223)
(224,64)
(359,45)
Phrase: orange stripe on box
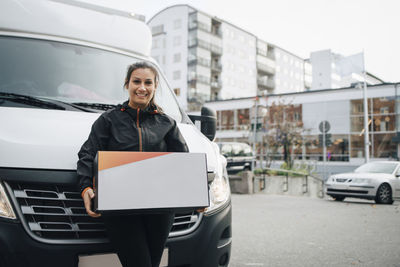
(110,159)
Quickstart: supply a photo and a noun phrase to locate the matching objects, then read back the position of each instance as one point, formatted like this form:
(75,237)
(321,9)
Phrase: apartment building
(206,58)
(327,71)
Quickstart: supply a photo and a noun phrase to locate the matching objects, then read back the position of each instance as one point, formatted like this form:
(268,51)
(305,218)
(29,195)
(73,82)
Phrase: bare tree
(284,126)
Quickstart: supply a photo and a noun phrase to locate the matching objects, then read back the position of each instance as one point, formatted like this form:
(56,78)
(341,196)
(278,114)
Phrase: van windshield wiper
(99,106)
(30,100)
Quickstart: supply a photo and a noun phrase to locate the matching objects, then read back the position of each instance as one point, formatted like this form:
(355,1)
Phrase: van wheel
(384,194)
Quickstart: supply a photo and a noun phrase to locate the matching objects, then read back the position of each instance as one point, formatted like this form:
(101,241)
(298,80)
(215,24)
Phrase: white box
(150,181)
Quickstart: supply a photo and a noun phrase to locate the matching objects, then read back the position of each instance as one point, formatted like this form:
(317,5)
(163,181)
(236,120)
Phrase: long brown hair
(144,65)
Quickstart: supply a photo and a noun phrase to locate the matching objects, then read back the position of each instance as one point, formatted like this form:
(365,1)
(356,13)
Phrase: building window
(285,58)
(177,75)
(177,40)
(156,43)
(227,120)
(157,29)
(296,116)
(177,91)
(243,119)
(177,24)
(177,57)
(384,110)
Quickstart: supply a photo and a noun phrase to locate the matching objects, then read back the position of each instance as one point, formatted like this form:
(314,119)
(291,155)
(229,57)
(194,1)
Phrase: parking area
(277,230)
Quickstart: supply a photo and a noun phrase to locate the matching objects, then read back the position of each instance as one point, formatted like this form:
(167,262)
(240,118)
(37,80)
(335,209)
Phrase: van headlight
(219,192)
(6,210)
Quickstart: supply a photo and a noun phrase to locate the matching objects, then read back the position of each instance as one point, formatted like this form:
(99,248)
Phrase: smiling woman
(139,239)
(141,82)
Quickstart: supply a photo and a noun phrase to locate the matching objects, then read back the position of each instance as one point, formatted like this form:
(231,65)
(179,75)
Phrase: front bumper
(208,246)
(351,190)
(18,249)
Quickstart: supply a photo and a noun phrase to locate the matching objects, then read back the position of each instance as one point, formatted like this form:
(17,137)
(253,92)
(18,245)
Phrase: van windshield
(70,73)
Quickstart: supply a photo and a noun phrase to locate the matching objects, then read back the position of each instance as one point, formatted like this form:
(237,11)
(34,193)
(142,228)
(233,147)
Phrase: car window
(377,167)
(226,150)
(236,150)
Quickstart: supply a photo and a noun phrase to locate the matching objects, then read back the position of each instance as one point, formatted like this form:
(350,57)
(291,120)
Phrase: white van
(63,63)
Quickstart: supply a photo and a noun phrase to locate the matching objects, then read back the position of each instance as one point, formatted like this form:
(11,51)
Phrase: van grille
(56,212)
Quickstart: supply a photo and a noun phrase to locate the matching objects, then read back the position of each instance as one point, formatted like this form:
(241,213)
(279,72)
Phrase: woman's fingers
(201,210)
(87,200)
(91,193)
(93,214)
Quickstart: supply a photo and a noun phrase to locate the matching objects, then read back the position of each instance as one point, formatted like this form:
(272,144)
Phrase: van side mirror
(208,120)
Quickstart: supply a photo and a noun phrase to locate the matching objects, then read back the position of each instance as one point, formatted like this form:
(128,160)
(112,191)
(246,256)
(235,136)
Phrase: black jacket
(127,129)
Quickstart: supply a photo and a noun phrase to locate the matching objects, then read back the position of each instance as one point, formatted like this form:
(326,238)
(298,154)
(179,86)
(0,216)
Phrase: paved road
(274,230)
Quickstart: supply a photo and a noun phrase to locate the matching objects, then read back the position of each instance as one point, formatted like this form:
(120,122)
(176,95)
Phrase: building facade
(328,70)
(297,117)
(206,58)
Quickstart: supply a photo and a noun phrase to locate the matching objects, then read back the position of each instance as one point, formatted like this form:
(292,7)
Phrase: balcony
(194,25)
(265,64)
(215,49)
(216,84)
(265,68)
(216,27)
(216,66)
(198,79)
(199,61)
(198,25)
(265,83)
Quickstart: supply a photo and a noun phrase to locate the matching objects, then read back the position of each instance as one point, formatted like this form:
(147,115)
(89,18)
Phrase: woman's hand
(201,210)
(87,199)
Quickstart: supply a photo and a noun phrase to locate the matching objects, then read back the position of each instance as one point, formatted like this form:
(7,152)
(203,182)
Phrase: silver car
(377,180)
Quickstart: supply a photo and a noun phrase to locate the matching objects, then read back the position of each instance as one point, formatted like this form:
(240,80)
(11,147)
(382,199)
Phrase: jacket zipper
(139,130)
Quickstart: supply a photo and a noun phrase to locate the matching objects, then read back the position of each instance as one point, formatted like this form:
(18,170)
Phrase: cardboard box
(150,181)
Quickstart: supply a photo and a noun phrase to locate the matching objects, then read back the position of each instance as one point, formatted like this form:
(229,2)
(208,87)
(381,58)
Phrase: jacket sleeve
(175,141)
(97,140)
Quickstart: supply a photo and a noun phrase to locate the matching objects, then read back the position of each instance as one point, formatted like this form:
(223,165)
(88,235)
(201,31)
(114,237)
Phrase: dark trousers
(139,240)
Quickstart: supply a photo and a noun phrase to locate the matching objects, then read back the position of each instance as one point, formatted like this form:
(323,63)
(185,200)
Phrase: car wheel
(338,198)
(384,194)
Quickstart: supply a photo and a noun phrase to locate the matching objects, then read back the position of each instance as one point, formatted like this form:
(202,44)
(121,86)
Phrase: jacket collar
(150,109)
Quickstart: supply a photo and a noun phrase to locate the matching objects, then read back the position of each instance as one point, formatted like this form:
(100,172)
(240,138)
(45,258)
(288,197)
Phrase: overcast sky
(302,26)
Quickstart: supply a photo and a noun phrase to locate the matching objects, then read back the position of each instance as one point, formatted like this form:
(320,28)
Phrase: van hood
(42,138)
(50,139)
